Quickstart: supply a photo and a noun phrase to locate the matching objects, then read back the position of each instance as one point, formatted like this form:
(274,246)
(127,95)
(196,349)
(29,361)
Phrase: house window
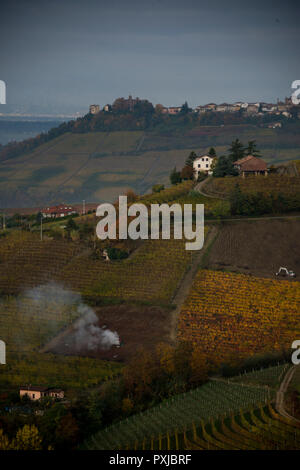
(199,165)
(202,159)
(206,165)
(33,395)
(207,159)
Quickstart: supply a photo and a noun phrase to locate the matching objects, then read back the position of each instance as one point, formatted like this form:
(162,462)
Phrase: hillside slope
(98,166)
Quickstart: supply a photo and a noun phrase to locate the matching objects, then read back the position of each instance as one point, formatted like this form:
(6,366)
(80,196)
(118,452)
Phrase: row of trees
(260,203)
(27,438)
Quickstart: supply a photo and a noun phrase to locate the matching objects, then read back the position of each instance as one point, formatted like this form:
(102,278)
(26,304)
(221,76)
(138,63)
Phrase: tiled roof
(251,163)
(30,388)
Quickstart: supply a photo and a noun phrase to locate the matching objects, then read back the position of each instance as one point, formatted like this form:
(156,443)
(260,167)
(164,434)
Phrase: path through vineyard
(282,391)
(187,280)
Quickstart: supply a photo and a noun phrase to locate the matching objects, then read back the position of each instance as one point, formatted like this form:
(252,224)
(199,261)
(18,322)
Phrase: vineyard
(286,185)
(140,278)
(55,370)
(169,194)
(260,428)
(27,262)
(30,319)
(233,316)
(180,413)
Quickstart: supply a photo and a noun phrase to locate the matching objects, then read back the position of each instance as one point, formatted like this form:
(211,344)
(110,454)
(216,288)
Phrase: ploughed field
(257,247)
(136,326)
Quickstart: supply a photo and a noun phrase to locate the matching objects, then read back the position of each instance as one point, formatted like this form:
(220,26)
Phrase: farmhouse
(203,164)
(36,393)
(251,165)
(61,210)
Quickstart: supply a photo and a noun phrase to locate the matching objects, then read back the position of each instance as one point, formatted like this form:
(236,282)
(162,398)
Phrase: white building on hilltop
(203,164)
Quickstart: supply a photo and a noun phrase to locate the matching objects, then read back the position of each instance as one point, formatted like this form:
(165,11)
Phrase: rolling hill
(98,166)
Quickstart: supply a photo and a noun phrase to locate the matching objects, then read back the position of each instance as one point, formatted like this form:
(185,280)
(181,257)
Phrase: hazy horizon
(61,56)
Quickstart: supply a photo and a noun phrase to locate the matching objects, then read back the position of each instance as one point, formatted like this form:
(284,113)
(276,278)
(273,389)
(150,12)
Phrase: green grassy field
(98,166)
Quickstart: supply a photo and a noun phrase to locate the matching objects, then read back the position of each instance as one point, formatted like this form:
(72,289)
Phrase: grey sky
(62,55)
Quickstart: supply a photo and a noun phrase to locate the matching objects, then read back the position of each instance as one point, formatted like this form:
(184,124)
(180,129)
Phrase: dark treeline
(259,203)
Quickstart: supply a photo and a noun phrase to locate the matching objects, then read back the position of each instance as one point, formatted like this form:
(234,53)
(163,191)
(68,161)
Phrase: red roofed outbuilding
(251,165)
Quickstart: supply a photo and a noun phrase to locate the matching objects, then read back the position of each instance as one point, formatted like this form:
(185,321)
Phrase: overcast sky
(62,55)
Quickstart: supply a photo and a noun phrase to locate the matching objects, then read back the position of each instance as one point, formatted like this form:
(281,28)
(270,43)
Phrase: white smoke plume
(87,334)
(90,336)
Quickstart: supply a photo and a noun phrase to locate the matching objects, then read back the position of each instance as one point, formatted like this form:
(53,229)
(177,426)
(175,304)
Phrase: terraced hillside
(169,425)
(98,166)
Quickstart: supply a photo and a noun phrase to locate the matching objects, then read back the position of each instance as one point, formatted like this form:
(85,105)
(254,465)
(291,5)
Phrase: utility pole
(41,227)
(83,207)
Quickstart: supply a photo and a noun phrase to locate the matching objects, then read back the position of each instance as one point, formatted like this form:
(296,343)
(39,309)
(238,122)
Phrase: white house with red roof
(61,210)
(203,164)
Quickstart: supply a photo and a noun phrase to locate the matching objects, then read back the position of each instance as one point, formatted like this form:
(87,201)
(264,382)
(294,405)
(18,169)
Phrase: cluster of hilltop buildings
(259,108)
(249,108)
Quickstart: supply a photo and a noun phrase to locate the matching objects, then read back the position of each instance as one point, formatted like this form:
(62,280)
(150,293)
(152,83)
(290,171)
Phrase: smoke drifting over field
(87,335)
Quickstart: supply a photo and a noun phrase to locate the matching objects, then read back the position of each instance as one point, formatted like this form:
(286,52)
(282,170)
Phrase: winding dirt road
(281,392)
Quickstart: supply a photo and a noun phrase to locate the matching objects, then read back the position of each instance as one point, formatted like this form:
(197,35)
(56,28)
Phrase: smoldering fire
(88,335)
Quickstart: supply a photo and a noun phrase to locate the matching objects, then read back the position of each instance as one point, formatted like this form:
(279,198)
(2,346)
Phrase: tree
(185,108)
(127,406)
(198,365)
(187,173)
(221,209)
(27,438)
(131,196)
(71,225)
(175,176)
(252,149)
(182,359)
(165,353)
(4,442)
(224,166)
(237,200)
(39,217)
(236,150)
(212,152)
(157,188)
(190,160)
(67,431)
